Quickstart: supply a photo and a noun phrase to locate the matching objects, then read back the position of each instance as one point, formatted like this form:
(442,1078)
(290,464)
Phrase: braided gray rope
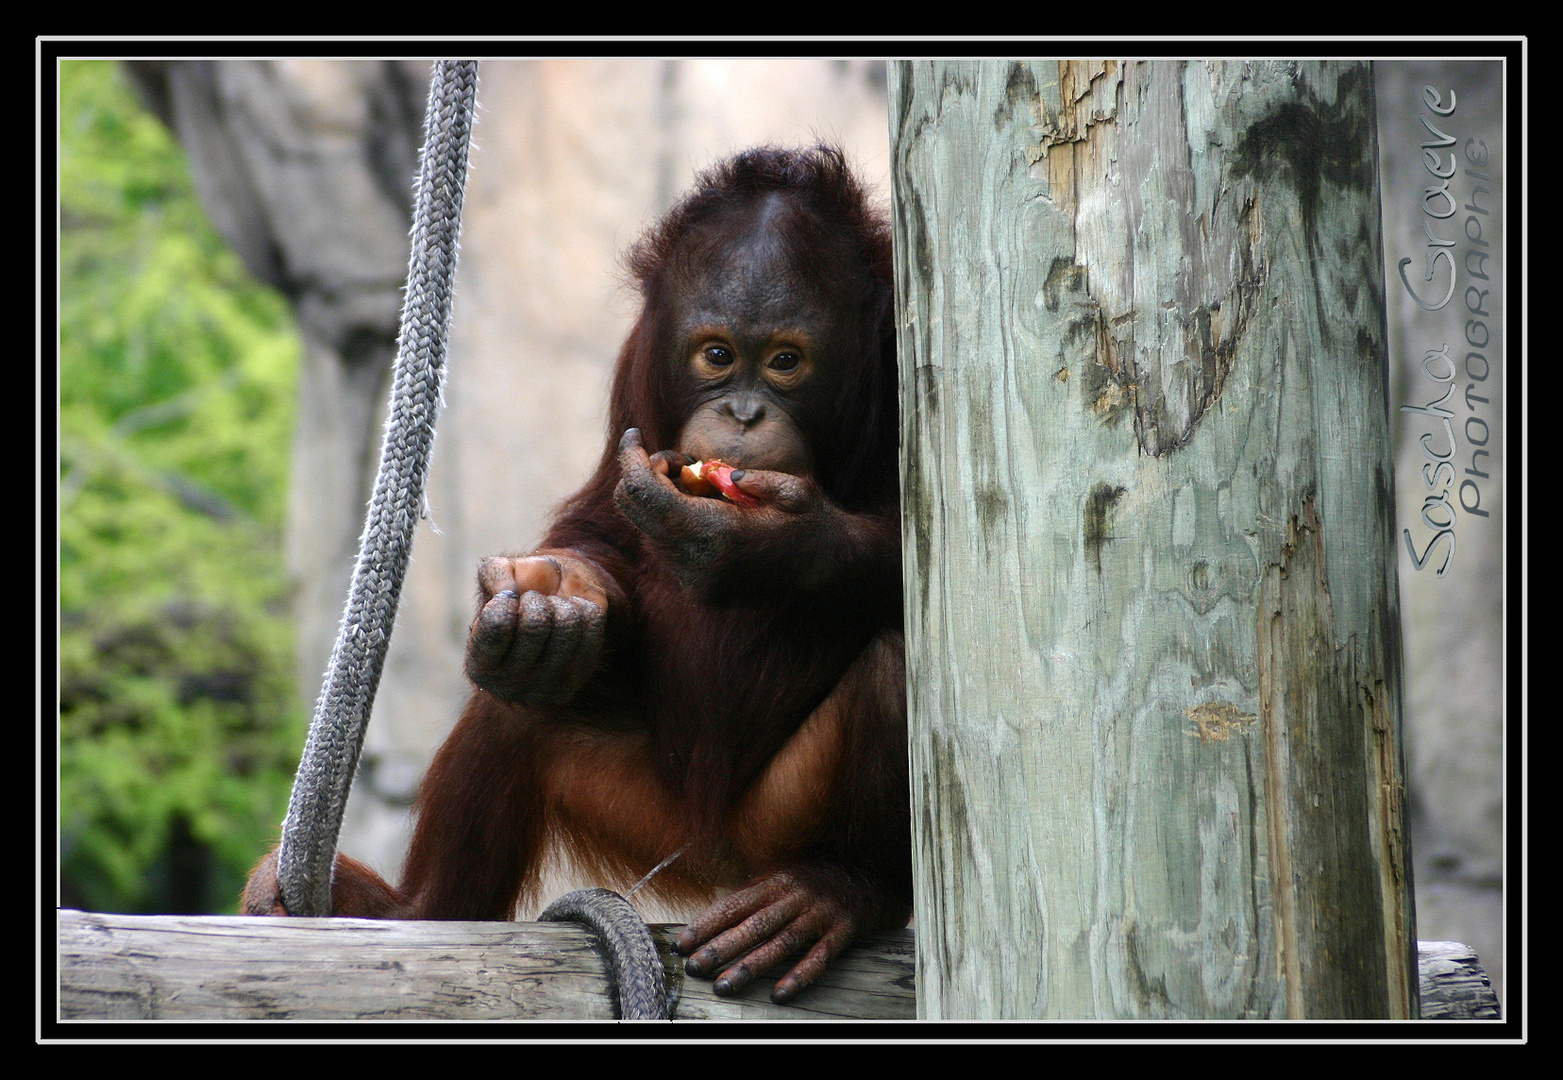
(336,735)
(634,966)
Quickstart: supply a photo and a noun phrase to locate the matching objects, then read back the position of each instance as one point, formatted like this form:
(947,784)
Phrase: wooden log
(174,967)
(177,967)
(1453,984)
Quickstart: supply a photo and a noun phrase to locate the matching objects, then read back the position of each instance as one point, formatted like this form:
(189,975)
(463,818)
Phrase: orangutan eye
(786,361)
(718,355)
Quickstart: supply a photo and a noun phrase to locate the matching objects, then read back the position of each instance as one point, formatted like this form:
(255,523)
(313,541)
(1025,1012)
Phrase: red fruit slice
(702,476)
(721,474)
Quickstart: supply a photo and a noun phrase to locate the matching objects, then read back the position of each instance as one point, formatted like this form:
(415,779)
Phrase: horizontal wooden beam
(212,967)
(230,967)
(1453,984)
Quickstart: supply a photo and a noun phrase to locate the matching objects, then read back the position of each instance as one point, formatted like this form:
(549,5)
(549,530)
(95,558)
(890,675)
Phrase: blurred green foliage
(179,725)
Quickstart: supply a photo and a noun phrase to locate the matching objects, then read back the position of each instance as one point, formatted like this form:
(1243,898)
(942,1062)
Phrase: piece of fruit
(692,477)
(703,477)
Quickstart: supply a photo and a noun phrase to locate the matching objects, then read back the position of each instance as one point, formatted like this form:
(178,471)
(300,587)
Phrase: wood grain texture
(1152,624)
(168,967)
(175,967)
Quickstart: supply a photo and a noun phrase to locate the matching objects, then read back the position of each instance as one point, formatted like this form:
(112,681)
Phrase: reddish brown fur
(755,719)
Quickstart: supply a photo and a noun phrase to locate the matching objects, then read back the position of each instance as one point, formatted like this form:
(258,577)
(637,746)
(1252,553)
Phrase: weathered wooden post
(1153,644)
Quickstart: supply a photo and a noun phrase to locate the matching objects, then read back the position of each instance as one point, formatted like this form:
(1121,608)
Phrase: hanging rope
(336,735)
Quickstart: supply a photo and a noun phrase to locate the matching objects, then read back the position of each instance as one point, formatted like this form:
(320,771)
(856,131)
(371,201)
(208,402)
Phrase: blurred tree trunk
(306,168)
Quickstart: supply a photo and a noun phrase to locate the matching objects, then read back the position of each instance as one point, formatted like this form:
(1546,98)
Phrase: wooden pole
(1152,616)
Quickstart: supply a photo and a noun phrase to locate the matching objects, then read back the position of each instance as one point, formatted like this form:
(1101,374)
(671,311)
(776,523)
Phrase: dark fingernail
(739,474)
(629,438)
